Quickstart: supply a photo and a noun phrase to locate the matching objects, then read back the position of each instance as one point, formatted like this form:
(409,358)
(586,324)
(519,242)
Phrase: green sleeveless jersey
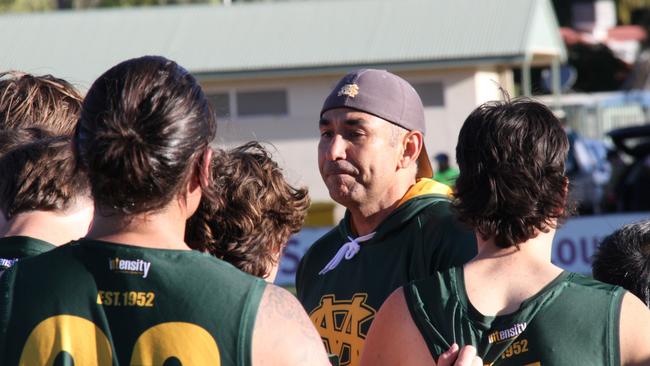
(574,320)
(93,302)
(418,238)
(13,248)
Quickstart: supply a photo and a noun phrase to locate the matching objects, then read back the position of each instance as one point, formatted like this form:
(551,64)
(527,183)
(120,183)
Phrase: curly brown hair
(512,184)
(256,211)
(45,101)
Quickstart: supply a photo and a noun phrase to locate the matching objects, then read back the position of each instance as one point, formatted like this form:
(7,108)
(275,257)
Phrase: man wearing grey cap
(397,226)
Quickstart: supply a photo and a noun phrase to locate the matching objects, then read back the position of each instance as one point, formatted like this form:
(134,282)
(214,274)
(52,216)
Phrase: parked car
(631,189)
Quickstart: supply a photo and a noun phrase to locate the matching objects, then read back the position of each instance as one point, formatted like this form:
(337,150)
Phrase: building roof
(292,36)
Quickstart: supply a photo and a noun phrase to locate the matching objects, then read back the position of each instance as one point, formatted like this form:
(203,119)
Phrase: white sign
(576,241)
(293,252)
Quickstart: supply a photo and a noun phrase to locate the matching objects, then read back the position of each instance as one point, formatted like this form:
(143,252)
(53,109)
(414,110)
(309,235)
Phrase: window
(431,93)
(257,103)
(220,104)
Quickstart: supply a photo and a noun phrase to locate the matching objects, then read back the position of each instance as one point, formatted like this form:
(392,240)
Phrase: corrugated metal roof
(79,45)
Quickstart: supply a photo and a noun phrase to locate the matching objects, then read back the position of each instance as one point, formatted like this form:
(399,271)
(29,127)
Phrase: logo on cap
(351,90)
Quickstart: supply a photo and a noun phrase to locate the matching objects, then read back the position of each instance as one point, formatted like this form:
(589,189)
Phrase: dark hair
(254,214)
(40,176)
(511,158)
(13,138)
(144,126)
(623,259)
(44,101)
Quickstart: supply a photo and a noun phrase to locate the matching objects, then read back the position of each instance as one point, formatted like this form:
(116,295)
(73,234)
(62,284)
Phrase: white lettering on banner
(574,244)
(577,240)
(568,252)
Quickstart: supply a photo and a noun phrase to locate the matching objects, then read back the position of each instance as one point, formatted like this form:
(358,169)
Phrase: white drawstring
(348,250)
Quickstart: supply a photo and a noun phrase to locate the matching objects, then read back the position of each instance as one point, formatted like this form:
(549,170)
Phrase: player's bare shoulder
(297,344)
(635,316)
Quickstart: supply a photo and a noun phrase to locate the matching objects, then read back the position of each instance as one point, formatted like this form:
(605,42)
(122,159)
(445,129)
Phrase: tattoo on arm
(279,306)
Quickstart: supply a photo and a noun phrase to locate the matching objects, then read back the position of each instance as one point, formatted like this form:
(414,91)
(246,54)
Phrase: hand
(463,357)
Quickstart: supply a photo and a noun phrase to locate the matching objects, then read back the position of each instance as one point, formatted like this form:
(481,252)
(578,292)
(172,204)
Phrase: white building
(268,66)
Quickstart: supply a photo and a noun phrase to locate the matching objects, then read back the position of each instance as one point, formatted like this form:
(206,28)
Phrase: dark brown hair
(254,214)
(511,157)
(40,176)
(13,138)
(144,126)
(44,101)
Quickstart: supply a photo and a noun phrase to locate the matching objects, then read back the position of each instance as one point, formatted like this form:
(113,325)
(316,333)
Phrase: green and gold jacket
(418,238)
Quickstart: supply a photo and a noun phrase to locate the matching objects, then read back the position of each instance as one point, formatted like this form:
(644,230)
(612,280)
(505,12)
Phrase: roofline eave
(510,60)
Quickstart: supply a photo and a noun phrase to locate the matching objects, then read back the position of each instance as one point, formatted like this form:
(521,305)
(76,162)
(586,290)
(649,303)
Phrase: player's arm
(394,339)
(283,333)
(634,331)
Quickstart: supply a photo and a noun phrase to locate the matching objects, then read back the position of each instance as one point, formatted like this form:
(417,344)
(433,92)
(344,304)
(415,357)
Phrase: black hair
(623,258)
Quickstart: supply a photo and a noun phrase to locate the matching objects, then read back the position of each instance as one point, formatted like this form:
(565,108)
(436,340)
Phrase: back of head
(623,259)
(45,102)
(144,126)
(511,157)
(13,138)
(41,175)
(254,214)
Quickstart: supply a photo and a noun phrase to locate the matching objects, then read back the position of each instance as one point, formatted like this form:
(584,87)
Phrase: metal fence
(594,114)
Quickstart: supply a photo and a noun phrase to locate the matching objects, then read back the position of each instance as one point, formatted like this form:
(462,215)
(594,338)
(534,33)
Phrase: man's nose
(336,148)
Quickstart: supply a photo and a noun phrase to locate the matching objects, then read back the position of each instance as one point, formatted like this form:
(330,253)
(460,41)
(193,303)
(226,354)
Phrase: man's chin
(342,196)
(341,188)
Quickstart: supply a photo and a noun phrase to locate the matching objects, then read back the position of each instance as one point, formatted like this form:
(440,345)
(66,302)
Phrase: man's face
(358,155)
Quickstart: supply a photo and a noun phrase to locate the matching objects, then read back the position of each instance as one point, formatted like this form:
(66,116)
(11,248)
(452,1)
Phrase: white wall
(443,123)
(295,136)
(464,90)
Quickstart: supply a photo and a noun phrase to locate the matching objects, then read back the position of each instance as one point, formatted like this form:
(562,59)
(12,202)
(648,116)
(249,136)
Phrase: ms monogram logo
(339,324)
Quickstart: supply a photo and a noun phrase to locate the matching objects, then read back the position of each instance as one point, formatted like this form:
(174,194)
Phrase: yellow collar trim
(424,186)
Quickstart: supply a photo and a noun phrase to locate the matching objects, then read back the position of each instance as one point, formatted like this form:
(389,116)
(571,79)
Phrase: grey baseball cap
(387,96)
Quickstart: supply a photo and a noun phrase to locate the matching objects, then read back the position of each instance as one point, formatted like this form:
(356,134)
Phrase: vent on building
(260,103)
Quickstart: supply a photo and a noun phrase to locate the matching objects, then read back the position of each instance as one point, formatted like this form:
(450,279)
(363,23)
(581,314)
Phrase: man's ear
(202,174)
(204,168)
(411,147)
